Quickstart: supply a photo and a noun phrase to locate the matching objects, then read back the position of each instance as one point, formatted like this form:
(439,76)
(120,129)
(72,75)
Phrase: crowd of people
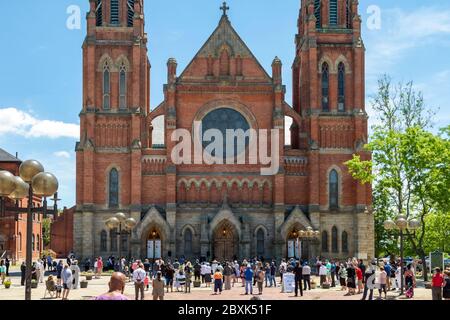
(252,275)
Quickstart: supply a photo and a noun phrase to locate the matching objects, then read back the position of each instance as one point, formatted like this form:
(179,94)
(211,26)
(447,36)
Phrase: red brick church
(223,211)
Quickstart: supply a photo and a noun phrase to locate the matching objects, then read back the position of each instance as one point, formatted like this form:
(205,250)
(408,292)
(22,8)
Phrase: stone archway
(225,242)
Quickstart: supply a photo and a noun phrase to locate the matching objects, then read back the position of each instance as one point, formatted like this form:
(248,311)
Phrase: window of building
(188,242)
(324,241)
(325,87)
(344,242)
(113,188)
(334,189)
(99,13)
(130,5)
(317,13)
(341,87)
(106,87)
(334,240)
(348,14)
(114,11)
(103,241)
(38,243)
(333,13)
(33,242)
(122,88)
(19,239)
(260,243)
(113,238)
(124,244)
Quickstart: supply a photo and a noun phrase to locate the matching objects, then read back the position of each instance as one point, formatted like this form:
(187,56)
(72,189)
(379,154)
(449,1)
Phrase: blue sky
(40,79)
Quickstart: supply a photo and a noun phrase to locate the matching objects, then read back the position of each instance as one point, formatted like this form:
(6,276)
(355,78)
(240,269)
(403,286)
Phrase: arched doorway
(226,242)
(154,244)
(296,247)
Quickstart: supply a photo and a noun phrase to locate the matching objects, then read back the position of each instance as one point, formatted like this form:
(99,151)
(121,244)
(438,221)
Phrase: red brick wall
(61,237)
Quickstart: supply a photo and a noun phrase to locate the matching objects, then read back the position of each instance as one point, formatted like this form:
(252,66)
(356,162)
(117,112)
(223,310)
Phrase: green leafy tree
(409,168)
(46,231)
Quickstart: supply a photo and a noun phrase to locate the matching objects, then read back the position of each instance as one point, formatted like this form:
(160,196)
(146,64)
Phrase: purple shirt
(114,297)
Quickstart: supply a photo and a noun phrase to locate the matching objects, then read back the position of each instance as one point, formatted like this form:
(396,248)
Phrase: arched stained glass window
(188,242)
(334,240)
(260,243)
(122,88)
(334,189)
(344,241)
(103,241)
(113,188)
(341,87)
(106,87)
(113,238)
(325,87)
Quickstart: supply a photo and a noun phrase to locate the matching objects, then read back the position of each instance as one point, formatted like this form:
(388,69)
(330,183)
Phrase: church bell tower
(113,130)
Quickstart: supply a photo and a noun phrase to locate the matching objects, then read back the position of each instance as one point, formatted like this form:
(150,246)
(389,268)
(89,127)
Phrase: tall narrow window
(33,242)
(106,87)
(334,189)
(130,6)
(317,13)
(334,240)
(38,243)
(19,239)
(341,87)
(122,88)
(348,14)
(113,188)
(224,63)
(333,13)
(324,241)
(260,243)
(114,12)
(99,13)
(344,242)
(103,241)
(188,242)
(124,244)
(325,87)
(113,238)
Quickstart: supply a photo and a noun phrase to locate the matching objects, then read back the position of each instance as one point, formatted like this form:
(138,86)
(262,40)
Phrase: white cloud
(403,30)
(62,154)
(14,121)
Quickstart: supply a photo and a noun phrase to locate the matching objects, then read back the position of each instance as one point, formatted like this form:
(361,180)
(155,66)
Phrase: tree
(46,231)
(409,168)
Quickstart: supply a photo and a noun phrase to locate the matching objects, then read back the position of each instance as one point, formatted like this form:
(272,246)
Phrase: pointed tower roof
(225,35)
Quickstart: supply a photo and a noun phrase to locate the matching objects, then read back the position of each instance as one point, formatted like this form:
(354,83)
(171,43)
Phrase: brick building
(223,210)
(13,226)
(61,233)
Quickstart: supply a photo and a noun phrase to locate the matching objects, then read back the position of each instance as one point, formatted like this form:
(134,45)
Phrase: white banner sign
(158,249)
(150,249)
(288,282)
(291,249)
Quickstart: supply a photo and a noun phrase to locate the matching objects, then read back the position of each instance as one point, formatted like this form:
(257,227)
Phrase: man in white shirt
(323,274)
(38,269)
(306,271)
(203,271)
(139,278)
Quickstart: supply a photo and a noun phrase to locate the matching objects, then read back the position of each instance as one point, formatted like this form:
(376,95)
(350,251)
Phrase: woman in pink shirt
(382,279)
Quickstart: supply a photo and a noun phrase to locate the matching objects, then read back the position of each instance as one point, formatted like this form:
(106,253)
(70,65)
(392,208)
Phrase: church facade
(223,211)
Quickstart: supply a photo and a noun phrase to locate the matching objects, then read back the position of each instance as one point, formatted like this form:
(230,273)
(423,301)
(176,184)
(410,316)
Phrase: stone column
(87,234)
(279,239)
(204,237)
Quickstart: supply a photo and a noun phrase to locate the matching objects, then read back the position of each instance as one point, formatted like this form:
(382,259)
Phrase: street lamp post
(32,181)
(401,224)
(125,226)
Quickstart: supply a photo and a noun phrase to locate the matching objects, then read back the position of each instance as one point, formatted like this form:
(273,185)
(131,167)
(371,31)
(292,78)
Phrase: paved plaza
(99,286)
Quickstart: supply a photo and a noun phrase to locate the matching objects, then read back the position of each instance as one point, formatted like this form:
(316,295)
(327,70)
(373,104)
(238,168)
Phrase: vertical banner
(158,249)
(150,247)
(298,250)
(291,249)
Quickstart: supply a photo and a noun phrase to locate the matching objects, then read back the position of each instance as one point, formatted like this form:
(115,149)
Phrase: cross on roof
(224,8)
